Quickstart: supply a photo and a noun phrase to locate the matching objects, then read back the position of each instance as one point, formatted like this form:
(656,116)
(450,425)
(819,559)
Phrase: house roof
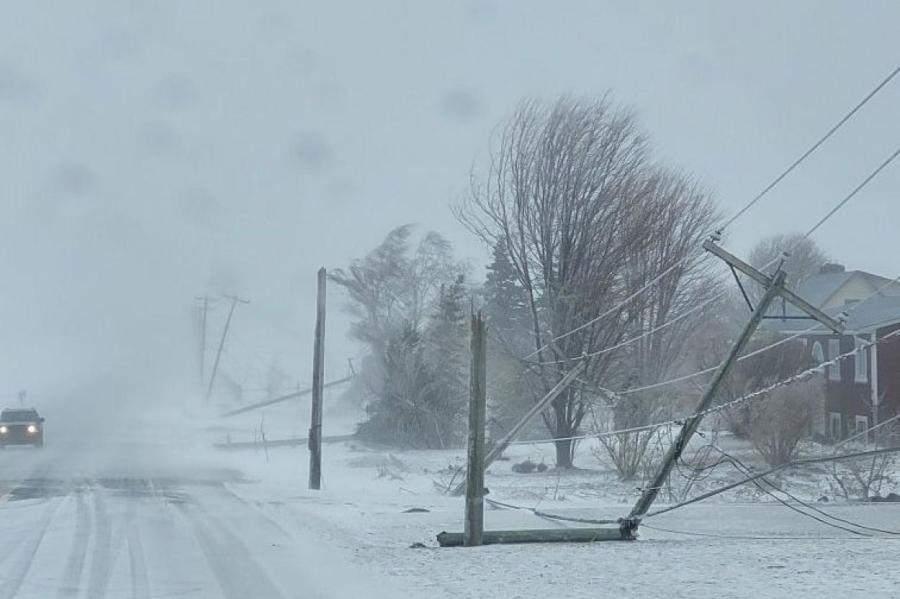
(819,288)
(876,311)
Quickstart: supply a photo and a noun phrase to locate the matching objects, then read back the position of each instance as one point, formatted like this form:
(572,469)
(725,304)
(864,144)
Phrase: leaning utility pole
(474,523)
(774,288)
(212,377)
(315,423)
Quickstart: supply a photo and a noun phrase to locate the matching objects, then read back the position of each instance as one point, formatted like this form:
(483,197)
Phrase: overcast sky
(153,151)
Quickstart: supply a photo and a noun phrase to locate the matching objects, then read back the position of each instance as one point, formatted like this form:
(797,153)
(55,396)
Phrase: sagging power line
(834,210)
(752,202)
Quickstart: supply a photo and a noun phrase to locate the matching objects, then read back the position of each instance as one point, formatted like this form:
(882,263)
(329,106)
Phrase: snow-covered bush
(778,423)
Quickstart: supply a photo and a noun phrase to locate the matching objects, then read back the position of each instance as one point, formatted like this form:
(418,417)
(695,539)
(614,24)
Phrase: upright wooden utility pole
(774,288)
(204,311)
(474,524)
(315,423)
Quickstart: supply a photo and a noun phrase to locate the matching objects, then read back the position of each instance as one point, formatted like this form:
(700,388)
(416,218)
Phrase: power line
(549,516)
(814,147)
(692,533)
(850,196)
(761,350)
(773,470)
(618,306)
(746,471)
(740,212)
(868,430)
(725,406)
(843,202)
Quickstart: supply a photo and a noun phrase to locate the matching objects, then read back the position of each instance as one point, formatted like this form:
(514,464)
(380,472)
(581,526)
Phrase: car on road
(21,426)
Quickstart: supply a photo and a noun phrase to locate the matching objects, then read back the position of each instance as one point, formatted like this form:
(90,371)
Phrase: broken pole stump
(474,519)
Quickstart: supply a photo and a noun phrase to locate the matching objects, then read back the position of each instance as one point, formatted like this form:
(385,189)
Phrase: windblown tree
(585,215)
(668,276)
(408,302)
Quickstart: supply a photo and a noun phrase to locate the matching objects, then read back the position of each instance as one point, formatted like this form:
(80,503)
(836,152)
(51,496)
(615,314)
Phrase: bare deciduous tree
(804,260)
(585,216)
(680,215)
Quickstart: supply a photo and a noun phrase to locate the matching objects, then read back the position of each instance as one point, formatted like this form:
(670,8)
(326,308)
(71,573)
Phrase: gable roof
(863,314)
(819,288)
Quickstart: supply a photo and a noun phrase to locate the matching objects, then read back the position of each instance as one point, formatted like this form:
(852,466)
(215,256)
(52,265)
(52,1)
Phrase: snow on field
(735,545)
(149,509)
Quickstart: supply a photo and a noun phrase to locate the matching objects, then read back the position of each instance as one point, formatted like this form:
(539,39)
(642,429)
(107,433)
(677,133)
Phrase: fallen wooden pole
(295,442)
(288,397)
(550,535)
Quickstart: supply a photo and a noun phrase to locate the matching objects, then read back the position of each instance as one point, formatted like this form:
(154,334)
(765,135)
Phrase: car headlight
(3,430)
(31,429)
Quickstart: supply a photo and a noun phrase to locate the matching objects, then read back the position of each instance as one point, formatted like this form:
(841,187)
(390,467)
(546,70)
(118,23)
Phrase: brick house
(864,389)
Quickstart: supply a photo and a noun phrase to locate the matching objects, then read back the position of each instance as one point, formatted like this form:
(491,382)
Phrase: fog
(157,151)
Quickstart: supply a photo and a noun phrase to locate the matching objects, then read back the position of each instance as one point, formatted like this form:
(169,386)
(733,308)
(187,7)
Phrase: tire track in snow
(71,579)
(102,557)
(239,575)
(226,491)
(15,576)
(140,580)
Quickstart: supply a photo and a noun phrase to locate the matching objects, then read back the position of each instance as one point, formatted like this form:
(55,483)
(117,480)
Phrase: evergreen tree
(506,309)
(505,302)
(447,354)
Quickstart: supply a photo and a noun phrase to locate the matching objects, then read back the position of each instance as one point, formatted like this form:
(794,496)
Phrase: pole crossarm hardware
(736,263)
(774,286)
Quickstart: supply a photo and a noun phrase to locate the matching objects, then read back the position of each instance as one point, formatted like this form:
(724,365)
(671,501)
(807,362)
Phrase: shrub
(777,424)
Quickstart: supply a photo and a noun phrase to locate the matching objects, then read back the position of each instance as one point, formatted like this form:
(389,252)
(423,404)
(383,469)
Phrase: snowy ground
(734,546)
(145,510)
(132,514)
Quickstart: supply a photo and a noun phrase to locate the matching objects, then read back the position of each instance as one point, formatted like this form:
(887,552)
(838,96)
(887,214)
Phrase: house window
(834,425)
(834,350)
(818,355)
(862,427)
(861,362)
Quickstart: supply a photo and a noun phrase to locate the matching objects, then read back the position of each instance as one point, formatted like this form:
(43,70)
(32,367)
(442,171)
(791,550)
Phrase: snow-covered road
(146,512)
(117,521)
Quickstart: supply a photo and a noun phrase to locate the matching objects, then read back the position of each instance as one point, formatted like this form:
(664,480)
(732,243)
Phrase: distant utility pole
(212,377)
(315,423)
(204,310)
(473,529)
(774,286)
